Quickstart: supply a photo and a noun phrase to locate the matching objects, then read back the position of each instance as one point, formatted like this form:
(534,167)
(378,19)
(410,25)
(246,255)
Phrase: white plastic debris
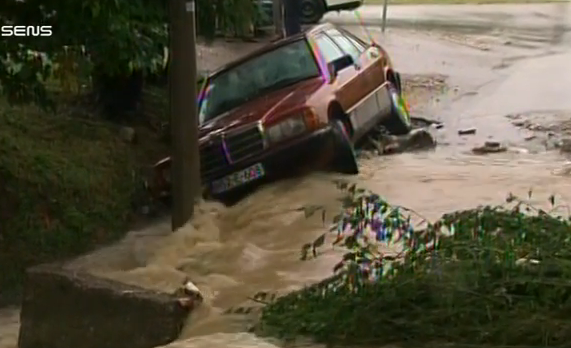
(192,290)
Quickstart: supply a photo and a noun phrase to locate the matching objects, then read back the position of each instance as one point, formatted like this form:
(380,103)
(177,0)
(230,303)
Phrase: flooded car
(292,102)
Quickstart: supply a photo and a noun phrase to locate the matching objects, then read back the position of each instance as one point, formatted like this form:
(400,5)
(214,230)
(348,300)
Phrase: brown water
(232,253)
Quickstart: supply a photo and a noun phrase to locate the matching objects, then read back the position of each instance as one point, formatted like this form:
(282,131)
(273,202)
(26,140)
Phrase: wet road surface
(231,253)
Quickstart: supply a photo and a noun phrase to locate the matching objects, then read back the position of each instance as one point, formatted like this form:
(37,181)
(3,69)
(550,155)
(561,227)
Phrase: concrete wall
(67,309)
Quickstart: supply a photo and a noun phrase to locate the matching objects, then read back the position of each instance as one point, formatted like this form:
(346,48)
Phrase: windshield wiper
(284,83)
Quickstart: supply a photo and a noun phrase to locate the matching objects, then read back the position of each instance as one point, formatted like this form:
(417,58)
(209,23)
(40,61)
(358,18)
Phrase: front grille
(245,143)
(212,160)
(216,155)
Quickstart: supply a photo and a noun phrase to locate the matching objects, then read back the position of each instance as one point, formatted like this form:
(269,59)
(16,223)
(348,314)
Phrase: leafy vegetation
(100,42)
(67,185)
(492,276)
(67,179)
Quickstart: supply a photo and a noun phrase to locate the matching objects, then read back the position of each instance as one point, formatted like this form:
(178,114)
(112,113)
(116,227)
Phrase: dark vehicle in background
(311,10)
(303,99)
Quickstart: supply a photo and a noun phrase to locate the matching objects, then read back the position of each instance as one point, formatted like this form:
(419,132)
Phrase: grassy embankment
(66,185)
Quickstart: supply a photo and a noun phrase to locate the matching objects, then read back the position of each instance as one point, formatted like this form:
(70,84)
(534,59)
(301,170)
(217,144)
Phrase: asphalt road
(506,59)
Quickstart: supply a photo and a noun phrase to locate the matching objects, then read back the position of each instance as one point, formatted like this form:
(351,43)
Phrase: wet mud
(232,253)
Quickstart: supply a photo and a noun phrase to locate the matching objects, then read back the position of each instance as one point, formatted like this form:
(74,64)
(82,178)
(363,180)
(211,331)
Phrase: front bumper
(294,155)
(309,151)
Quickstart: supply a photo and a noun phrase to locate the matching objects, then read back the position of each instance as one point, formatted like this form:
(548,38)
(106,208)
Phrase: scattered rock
(493,144)
(489,147)
(530,137)
(128,135)
(467,131)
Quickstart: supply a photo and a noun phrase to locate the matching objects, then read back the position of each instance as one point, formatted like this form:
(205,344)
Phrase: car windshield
(270,71)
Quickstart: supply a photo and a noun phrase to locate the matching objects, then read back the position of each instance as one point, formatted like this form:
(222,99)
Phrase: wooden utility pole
(183,111)
(278,17)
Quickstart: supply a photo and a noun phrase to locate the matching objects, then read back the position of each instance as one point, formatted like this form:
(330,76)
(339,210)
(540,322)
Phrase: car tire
(398,121)
(344,157)
(312,11)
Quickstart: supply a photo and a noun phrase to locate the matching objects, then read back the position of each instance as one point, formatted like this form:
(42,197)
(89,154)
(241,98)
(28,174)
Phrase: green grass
(66,185)
(500,278)
(422,2)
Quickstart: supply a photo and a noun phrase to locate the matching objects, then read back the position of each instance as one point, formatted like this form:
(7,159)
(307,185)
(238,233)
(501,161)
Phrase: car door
(348,86)
(374,60)
(366,107)
(377,62)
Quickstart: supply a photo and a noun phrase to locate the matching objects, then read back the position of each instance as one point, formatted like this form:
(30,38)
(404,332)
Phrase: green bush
(500,277)
(66,186)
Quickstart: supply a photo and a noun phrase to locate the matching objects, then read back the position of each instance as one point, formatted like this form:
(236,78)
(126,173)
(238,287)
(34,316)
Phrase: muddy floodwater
(231,253)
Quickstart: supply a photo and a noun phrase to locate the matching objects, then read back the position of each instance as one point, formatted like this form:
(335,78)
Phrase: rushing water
(231,253)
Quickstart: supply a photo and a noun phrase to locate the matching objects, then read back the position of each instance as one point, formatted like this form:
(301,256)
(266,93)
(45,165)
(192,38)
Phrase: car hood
(262,108)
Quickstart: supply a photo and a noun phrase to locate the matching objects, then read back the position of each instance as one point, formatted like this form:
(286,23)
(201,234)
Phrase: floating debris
(467,131)
(489,147)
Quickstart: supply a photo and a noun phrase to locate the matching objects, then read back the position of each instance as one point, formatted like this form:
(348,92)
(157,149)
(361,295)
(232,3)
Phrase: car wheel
(312,11)
(398,122)
(344,157)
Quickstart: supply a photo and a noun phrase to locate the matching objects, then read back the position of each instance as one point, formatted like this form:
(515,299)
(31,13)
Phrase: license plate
(238,178)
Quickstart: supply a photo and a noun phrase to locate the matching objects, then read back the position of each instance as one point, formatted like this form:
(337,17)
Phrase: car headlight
(286,129)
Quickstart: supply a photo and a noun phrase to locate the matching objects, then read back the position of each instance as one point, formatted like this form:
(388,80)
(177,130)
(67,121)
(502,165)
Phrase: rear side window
(360,46)
(346,45)
(328,48)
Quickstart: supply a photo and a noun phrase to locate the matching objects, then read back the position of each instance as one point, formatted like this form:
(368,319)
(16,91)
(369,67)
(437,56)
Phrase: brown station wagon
(292,101)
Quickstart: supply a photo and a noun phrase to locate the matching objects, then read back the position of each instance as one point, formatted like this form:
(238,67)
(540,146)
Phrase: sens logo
(23,30)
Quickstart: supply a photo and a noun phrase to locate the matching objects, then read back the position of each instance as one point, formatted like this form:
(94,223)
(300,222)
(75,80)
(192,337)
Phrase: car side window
(360,46)
(328,48)
(346,45)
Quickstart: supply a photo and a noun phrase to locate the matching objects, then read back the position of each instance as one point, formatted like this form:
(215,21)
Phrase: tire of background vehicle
(398,121)
(312,11)
(344,160)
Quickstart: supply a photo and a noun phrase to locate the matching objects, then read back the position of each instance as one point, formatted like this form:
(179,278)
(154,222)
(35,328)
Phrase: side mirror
(339,64)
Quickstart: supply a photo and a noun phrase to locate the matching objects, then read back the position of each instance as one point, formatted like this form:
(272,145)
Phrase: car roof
(271,46)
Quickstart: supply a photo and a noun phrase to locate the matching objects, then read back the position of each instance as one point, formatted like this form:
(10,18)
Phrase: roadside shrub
(490,275)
